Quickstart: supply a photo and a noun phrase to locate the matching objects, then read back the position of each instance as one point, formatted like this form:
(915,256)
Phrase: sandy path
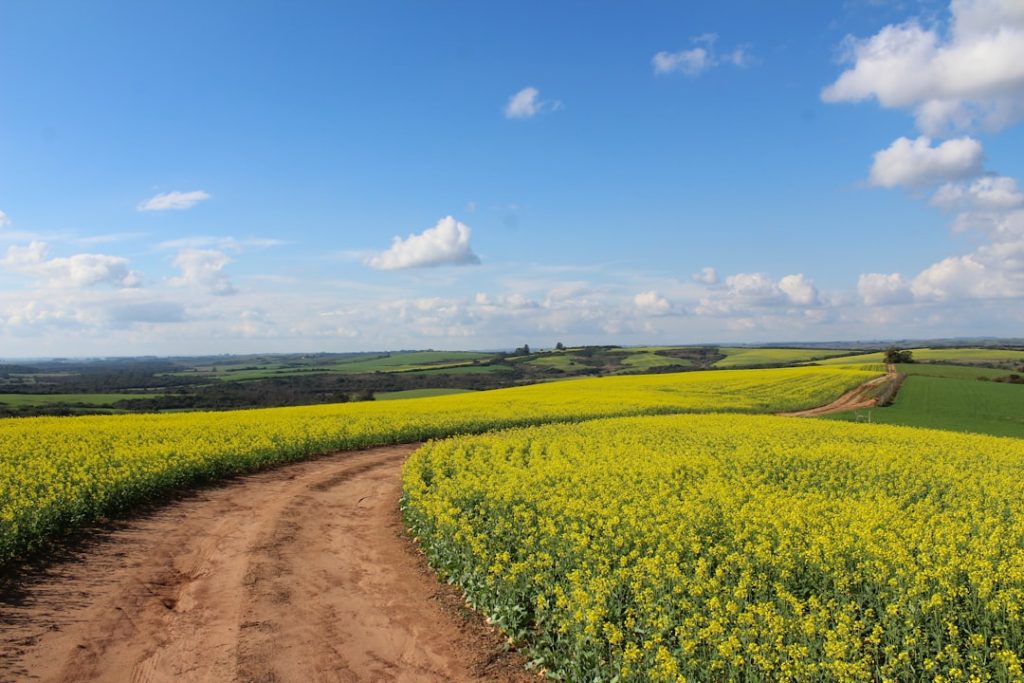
(301,573)
(854,399)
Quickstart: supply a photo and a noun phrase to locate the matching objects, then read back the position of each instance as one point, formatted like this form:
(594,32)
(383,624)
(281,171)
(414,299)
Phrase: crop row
(735,547)
(58,473)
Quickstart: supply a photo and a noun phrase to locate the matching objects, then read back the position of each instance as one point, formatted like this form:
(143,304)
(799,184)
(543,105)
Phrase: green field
(399,361)
(859,359)
(464,369)
(949,371)
(646,359)
(417,393)
(970,355)
(955,355)
(557,360)
(413,360)
(739,356)
(18,400)
(952,403)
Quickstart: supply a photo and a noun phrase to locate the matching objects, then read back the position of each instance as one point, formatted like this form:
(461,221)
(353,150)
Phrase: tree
(559,346)
(896,355)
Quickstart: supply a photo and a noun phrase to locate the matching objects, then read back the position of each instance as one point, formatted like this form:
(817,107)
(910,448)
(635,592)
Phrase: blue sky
(230,177)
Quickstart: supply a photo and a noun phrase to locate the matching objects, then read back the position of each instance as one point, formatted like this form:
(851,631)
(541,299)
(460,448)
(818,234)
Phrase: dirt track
(857,398)
(297,574)
(302,573)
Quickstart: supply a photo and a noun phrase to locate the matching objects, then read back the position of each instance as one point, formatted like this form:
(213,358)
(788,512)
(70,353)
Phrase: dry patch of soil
(864,396)
(302,573)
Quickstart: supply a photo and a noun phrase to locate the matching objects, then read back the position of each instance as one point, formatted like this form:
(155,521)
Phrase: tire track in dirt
(863,396)
(301,573)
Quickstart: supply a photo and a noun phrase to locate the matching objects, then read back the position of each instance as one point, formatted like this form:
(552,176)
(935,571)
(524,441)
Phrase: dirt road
(863,396)
(297,574)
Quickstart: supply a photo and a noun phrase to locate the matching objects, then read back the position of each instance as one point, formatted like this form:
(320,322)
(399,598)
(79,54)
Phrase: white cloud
(203,269)
(971,71)
(748,293)
(706,275)
(689,62)
(915,162)
(755,286)
(4,220)
(107,238)
(877,289)
(738,57)
(652,303)
(999,226)
(167,201)
(697,60)
(994,271)
(799,290)
(523,104)
(527,103)
(77,271)
(447,243)
(214,242)
(508,302)
(988,193)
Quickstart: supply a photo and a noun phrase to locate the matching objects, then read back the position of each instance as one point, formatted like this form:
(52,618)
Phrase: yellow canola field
(56,473)
(735,547)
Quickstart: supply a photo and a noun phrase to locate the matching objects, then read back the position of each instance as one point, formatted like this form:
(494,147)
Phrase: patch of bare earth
(863,396)
(303,573)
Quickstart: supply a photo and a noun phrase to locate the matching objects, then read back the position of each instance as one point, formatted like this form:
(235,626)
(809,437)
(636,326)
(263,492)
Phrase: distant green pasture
(20,400)
(416,393)
(740,356)
(643,359)
(954,355)
(957,404)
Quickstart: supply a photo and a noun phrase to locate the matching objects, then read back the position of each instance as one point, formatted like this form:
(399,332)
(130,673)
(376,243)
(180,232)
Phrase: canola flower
(735,547)
(58,473)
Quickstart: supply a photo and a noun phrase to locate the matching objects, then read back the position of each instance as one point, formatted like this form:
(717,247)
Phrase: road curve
(301,573)
(862,396)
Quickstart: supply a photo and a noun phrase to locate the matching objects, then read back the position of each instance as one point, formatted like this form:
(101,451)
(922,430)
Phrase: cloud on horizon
(76,271)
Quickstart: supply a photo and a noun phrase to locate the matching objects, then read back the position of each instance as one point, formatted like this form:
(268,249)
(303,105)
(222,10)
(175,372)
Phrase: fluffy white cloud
(756,287)
(513,302)
(994,271)
(77,271)
(994,193)
(973,71)
(527,103)
(167,201)
(4,220)
(203,269)
(697,60)
(688,62)
(799,290)
(877,289)
(915,162)
(999,226)
(523,104)
(707,276)
(447,243)
(748,292)
(953,277)
(652,303)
